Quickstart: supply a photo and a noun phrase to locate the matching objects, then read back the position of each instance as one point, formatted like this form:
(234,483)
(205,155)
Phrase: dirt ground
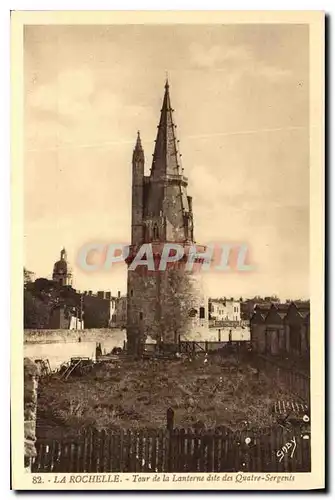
(136,394)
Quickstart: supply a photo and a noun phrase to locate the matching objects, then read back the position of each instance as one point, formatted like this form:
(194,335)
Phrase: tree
(28,276)
(179,304)
(41,297)
(36,313)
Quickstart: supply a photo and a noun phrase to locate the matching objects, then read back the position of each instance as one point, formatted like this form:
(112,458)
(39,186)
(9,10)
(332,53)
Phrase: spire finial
(138,150)
(138,141)
(63,255)
(166,80)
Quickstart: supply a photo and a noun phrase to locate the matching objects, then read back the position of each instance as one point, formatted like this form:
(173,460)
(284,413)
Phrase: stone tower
(162,304)
(61,271)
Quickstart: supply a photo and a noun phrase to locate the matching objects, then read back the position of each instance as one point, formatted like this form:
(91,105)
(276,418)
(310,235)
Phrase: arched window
(202,313)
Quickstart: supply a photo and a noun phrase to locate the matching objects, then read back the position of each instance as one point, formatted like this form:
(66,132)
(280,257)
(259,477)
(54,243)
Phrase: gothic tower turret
(137,193)
(162,303)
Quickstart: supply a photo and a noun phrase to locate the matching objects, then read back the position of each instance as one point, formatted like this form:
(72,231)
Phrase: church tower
(61,271)
(162,304)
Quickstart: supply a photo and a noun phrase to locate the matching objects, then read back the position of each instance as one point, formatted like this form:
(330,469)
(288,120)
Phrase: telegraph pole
(81,310)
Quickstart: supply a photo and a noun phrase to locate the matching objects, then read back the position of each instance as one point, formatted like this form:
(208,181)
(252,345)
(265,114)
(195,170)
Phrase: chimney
(101,294)
(90,292)
(108,295)
(119,294)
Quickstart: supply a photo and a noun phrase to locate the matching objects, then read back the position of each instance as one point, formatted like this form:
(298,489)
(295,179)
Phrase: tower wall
(173,208)
(165,305)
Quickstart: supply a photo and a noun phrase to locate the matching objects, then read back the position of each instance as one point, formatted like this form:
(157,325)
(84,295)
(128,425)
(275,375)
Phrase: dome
(61,269)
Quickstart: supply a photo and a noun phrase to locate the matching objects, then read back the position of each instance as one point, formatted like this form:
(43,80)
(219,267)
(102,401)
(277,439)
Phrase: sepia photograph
(166,285)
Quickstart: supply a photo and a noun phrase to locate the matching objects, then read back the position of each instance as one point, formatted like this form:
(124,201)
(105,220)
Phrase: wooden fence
(176,450)
(191,346)
(186,346)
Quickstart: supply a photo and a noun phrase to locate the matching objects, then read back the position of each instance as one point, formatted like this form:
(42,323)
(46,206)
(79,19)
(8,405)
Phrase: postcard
(168,250)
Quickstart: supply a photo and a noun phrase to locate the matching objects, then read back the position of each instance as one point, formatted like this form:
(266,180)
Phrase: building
(162,304)
(98,308)
(248,305)
(221,310)
(281,329)
(119,319)
(62,273)
(94,310)
(65,318)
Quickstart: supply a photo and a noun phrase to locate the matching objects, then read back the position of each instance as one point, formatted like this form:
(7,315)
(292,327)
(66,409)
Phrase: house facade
(224,310)
(281,329)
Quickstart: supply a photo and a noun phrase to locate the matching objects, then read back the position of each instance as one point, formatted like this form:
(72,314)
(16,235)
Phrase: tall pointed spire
(166,158)
(138,153)
(138,141)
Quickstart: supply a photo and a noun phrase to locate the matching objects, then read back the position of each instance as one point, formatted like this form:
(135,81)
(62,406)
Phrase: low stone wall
(218,334)
(55,336)
(59,346)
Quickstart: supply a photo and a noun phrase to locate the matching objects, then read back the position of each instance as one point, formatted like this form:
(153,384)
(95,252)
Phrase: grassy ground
(136,394)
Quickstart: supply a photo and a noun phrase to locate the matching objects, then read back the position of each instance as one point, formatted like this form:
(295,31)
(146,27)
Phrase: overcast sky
(240,94)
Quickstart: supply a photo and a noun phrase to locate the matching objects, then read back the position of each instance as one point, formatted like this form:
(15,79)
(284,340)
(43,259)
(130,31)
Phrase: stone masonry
(30,407)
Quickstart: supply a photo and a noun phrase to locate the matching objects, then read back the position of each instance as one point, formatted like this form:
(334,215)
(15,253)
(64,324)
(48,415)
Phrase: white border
(5,87)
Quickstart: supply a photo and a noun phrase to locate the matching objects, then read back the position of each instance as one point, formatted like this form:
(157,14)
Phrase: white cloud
(64,95)
(239,60)
(77,109)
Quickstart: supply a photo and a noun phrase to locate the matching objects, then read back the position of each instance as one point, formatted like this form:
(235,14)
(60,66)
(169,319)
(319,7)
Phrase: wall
(76,323)
(52,336)
(98,311)
(258,337)
(277,338)
(119,318)
(159,304)
(58,346)
(30,408)
(60,318)
(219,334)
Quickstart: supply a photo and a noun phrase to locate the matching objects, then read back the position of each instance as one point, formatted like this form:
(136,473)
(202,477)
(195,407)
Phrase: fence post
(169,419)
(169,427)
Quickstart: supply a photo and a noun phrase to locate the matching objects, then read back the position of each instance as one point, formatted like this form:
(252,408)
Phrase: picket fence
(176,450)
